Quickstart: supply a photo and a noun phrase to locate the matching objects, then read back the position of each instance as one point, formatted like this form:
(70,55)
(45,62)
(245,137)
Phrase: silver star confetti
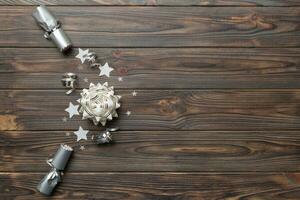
(86,80)
(72,110)
(128,112)
(120,79)
(82,54)
(105,70)
(81,134)
(68,134)
(134,93)
(82,148)
(64,119)
(80,67)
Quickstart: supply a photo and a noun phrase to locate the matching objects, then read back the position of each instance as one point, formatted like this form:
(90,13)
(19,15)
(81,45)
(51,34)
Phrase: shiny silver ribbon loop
(91,57)
(69,80)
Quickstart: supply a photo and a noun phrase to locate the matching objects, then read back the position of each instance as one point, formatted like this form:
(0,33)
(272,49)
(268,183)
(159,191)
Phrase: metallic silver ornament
(52,27)
(69,80)
(99,103)
(58,163)
(105,137)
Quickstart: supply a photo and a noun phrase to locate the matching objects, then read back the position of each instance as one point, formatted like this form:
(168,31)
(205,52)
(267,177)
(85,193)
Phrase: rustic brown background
(217,114)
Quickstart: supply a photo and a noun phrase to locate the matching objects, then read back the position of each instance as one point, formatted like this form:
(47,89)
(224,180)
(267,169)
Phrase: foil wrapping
(52,27)
(58,163)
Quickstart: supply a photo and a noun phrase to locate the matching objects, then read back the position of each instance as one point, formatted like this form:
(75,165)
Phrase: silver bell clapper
(58,163)
(69,80)
(53,28)
(104,137)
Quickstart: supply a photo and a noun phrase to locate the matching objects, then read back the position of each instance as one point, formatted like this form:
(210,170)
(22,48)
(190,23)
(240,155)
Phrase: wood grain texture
(158,27)
(156,68)
(213,118)
(155,2)
(164,186)
(160,151)
(160,110)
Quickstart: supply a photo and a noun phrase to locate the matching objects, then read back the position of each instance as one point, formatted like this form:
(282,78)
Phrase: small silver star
(80,67)
(82,148)
(82,54)
(72,110)
(86,80)
(134,93)
(68,134)
(120,78)
(81,134)
(64,119)
(105,70)
(128,112)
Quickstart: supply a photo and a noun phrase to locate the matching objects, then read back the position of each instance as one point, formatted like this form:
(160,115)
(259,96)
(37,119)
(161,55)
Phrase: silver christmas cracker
(53,28)
(58,163)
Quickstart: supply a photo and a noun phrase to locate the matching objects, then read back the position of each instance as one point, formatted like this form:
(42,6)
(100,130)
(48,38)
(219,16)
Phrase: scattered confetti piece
(105,70)
(64,119)
(120,79)
(80,67)
(81,134)
(128,113)
(82,148)
(82,54)
(72,110)
(134,93)
(86,80)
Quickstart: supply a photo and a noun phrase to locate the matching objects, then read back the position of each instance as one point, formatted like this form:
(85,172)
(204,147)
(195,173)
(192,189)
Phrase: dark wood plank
(160,110)
(133,186)
(155,2)
(158,26)
(178,151)
(42,68)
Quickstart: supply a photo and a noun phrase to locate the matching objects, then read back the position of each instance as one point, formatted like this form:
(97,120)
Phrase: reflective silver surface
(58,163)
(53,28)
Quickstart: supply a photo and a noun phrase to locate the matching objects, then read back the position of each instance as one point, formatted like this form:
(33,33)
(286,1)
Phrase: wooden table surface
(217,111)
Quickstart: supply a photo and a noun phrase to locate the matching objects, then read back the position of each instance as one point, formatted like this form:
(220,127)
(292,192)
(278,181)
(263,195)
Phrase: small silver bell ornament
(105,137)
(99,103)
